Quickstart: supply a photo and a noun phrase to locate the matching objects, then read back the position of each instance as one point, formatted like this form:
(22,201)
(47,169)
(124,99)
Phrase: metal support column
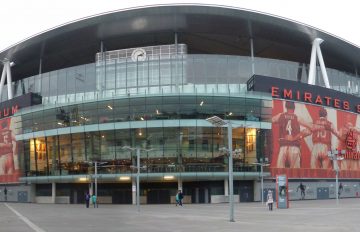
(138,179)
(231,181)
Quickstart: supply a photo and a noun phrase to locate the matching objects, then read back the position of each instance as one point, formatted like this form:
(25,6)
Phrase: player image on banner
(303,134)
(9,167)
(347,128)
(322,131)
(289,155)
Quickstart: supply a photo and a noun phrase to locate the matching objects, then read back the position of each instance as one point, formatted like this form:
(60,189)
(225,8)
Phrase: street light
(137,173)
(95,173)
(262,165)
(333,155)
(218,122)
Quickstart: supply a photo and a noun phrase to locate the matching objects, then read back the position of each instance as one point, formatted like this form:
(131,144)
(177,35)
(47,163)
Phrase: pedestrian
(341,188)
(270,200)
(5,193)
(87,199)
(94,201)
(302,190)
(179,197)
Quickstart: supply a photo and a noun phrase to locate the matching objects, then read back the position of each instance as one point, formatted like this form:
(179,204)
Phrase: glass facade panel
(65,153)
(144,109)
(144,96)
(183,73)
(185,149)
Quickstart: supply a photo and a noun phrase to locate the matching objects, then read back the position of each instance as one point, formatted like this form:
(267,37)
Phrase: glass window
(33,166)
(154,72)
(106,111)
(78,147)
(53,89)
(121,74)
(108,145)
(31,88)
(37,84)
(61,82)
(90,78)
(143,73)
(137,109)
(53,155)
(70,80)
(45,84)
(121,110)
(89,114)
(110,76)
(123,139)
(93,145)
(250,143)
(38,121)
(65,153)
(41,156)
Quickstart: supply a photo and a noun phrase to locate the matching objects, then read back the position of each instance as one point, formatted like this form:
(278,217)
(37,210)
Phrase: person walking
(302,190)
(87,199)
(179,197)
(341,188)
(270,200)
(94,201)
(5,193)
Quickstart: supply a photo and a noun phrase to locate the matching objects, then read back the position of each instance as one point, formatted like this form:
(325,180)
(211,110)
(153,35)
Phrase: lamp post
(137,173)
(218,122)
(96,163)
(333,155)
(96,178)
(262,165)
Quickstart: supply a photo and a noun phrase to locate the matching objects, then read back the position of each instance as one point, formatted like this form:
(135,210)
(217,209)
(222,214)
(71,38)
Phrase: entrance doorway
(122,196)
(158,196)
(245,189)
(200,195)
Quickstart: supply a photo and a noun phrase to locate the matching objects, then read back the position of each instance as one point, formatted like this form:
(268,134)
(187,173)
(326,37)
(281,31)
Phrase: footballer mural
(303,134)
(9,165)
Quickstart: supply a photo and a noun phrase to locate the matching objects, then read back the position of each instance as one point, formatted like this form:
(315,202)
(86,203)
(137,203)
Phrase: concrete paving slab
(314,216)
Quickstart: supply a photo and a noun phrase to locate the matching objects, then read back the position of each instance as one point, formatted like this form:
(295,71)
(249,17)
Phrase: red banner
(9,164)
(303,134)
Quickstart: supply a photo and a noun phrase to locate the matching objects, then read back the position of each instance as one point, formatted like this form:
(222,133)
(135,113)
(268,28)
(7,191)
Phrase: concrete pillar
(53,192)
(133,190)
(180,185)
(207,200)
(226,187)
(90,189)
(196,195)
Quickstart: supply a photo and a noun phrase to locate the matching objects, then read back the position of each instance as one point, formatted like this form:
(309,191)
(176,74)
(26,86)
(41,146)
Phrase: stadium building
(80,103)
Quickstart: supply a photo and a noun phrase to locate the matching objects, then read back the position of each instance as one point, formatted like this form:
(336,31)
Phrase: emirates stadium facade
(86,98)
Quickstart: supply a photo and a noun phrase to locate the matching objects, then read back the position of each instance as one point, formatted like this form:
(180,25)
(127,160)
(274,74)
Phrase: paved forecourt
(316,215)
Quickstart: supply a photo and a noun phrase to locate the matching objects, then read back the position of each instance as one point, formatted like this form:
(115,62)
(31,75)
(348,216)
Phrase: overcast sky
(21,19)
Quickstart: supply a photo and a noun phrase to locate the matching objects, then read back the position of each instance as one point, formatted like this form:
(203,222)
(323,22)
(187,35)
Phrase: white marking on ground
(26,220)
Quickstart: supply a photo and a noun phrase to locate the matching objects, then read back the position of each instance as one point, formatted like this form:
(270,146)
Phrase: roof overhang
(205,28)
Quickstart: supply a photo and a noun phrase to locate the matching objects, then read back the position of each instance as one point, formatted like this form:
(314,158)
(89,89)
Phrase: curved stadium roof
(206,29)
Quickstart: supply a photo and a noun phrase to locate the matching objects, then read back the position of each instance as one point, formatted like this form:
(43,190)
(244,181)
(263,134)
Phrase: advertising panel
(303,134)
(282,193)
(9,164)
(308,122)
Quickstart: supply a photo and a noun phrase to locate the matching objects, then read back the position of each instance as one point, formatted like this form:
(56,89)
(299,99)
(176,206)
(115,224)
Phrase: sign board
(302,92)
(9,162)
(282,193)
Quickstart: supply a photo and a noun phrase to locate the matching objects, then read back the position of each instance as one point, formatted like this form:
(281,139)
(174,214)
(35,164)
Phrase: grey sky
(24,18)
